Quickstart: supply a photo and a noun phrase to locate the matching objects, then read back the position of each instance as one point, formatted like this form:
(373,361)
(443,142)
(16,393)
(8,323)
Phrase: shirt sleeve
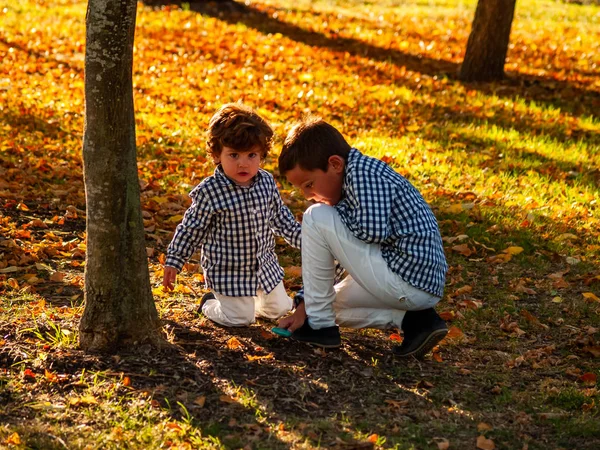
(191,232)
(367,206)
(283,222)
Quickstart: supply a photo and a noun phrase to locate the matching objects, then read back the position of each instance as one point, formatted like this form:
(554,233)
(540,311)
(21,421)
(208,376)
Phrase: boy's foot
(204,299)
(423,330)
(328,337)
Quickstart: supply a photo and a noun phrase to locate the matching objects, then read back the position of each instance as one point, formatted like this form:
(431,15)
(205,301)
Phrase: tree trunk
(488,41)
(119,308)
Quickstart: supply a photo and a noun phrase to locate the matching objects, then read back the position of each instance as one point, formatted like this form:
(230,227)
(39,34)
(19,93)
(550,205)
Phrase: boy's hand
(294,321)
(170,273)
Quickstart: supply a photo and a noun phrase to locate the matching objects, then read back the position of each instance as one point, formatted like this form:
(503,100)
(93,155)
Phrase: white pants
(241,311)
(372,296)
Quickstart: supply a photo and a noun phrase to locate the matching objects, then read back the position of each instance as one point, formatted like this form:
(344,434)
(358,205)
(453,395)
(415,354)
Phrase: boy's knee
(318,213)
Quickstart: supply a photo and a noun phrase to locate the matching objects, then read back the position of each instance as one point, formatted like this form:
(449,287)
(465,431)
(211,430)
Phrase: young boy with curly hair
(379,228)
(234,216)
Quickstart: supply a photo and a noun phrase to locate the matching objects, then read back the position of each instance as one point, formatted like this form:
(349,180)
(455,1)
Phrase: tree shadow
(558,93)
(41,55)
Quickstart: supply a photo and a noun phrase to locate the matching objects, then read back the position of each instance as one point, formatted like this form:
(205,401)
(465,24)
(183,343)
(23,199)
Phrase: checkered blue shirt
(380,206)
(234,226)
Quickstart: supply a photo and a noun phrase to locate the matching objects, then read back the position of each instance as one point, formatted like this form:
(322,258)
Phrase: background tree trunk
(488,41)
(119,308)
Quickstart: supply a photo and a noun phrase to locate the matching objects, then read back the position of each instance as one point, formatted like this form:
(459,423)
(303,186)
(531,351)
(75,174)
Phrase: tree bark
(488,41)
(119,308)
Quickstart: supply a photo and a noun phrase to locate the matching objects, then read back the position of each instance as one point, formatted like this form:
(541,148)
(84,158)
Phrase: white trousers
(372,296)
(241,311)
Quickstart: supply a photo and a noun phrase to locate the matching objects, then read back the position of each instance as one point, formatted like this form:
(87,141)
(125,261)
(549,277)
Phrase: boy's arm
(284,223)
(367,206)
(191,232)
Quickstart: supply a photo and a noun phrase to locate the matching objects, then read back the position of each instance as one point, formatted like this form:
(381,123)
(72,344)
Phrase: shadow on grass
(254,393)
(578,101)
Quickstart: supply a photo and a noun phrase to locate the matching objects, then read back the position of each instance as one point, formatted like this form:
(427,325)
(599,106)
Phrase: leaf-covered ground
(510,168)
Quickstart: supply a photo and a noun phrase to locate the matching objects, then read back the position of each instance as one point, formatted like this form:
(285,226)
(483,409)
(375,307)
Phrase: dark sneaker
(204,299)
(423,330)
(324,337)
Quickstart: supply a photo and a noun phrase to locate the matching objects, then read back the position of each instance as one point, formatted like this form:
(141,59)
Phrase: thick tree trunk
(119,308)
(488,41)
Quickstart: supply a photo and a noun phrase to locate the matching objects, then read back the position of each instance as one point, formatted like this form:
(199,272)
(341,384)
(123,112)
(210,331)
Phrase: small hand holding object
(281,332)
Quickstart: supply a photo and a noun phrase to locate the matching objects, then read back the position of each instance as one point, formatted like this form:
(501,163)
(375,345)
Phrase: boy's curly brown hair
(237,126)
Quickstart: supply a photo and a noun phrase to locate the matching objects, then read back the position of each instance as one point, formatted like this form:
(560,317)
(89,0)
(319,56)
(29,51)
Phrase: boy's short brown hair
(309,145)
(237,126)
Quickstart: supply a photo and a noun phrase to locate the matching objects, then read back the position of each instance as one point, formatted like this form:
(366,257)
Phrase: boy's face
(240,167)
(319,186)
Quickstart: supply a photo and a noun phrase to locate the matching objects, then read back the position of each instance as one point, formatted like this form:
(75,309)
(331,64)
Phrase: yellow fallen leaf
(513,250)
(590,296)
(175,219)
(13,439)
(557,300)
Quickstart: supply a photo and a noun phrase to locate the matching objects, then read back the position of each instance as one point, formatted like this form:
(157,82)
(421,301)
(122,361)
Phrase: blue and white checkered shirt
(380,206)
(234,226)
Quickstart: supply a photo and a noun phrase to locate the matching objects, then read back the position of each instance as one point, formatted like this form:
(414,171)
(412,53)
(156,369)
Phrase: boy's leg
(230,311)
(355,307)
(325,238)
(273,305)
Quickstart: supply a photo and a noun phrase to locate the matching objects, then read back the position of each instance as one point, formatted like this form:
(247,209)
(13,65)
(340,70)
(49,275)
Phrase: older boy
(233,218)
(379,228)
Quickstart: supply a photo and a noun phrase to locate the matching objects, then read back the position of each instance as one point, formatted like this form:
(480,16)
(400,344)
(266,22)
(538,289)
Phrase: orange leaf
(13,439)
(447,315)
(588,378)
(22,207)
(200,401)
(51,377)
(267,335)
(485,444)
(373,438)
(591,297)
(396,337)
(455,333)
(463,249)
(227,399)
(29,374)
(126,381)
(234,343)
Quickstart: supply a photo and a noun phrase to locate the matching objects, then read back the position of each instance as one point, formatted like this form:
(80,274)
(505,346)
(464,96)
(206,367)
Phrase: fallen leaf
(463,249)
(233,343)
(396,337)
(482,426)
(51,377)
(373,438)
(227,399)
(513,250)
(13,439)
(455,333)
(442,443)
(591,297)
(200,401)
(588,378)
(485,444)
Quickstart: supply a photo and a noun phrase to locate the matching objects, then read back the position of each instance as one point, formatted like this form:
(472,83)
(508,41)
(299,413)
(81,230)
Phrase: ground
(509,168)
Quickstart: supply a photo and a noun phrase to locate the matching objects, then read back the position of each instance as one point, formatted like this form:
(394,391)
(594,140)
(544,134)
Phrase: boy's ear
(337,163)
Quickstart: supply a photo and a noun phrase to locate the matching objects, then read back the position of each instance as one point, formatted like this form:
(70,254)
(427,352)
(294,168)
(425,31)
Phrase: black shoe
(324,337)
(423,330)
(204,299)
